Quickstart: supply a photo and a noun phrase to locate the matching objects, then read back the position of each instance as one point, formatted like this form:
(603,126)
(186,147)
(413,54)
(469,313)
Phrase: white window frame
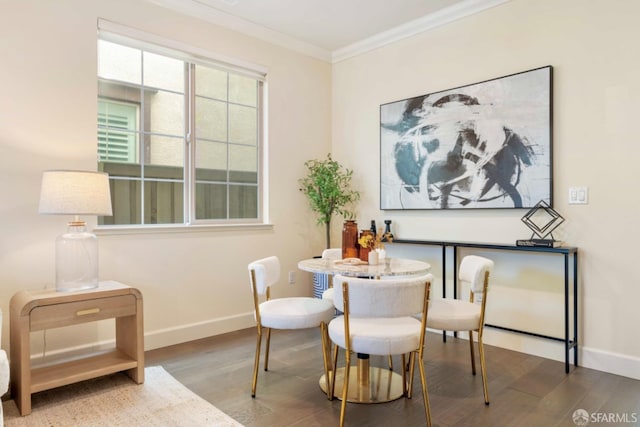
(117,33)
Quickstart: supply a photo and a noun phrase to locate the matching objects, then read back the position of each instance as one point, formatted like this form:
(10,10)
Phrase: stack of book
(545,243)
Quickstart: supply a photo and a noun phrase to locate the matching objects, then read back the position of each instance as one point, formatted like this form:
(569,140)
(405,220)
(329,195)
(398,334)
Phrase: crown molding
(201,11)
(444,16)
(411,28)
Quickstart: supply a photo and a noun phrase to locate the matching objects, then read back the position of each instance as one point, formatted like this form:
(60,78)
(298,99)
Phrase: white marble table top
(386,267)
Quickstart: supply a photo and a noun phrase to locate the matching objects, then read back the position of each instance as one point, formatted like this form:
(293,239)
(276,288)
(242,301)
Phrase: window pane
(125,200)
(118,62)
(243,125)
(243,201)
(211,201)
(164,151)
(243,90)
(163,73)
(243,158)
(211,155)
(211,119)
(164,113)
(163,202)
(211,83)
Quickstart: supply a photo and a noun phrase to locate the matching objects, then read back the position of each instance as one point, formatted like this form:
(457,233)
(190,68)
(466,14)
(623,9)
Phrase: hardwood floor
(525,390)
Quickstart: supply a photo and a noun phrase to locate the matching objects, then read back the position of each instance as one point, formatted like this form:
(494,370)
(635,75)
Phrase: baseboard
(613,363)
(194,331)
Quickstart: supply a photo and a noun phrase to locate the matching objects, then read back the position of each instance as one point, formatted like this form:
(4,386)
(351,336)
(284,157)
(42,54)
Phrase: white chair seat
(378,336)
(453,315)
(328,295)
(295,312)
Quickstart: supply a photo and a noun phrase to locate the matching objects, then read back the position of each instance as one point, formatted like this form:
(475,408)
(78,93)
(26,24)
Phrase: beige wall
(194,284)
(593,49)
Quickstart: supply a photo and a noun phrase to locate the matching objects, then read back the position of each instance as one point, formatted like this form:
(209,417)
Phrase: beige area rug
(115,400)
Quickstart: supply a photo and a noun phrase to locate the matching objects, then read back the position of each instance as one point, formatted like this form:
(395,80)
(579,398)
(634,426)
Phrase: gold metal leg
(404,376)
(326,356)
(483,368)
(473,360)
(256,363)
(266,350)
(345,387)
(410,369)
(332,384)
(425,393)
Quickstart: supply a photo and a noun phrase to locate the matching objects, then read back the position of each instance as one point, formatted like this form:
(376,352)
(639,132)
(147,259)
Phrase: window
(180,137)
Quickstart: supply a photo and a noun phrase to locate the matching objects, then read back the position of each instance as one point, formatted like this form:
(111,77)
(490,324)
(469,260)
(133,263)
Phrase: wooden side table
(38,310)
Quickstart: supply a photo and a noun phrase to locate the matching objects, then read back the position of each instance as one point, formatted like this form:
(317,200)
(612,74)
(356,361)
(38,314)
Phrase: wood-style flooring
(525,390)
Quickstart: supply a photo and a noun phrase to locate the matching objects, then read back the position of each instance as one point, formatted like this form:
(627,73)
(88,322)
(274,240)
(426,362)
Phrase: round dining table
(371,384)
(357,268)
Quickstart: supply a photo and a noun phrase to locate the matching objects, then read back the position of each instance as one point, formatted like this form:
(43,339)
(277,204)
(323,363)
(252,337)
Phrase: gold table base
(381,385)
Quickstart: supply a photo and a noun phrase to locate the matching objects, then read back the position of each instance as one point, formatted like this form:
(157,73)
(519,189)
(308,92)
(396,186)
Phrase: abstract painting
(484,145)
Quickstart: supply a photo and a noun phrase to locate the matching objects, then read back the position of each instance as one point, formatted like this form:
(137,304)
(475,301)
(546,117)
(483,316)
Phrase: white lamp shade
(75,193)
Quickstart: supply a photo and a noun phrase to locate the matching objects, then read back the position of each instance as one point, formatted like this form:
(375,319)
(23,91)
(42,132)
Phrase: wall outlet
(292,277)
(578,195)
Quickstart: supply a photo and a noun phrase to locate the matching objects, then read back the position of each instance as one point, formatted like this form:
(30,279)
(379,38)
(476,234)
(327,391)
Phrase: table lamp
(66,192)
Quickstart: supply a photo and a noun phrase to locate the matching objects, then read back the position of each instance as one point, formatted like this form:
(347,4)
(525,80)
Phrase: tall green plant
(327,185)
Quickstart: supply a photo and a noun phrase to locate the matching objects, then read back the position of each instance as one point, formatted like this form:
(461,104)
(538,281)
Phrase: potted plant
(327,185)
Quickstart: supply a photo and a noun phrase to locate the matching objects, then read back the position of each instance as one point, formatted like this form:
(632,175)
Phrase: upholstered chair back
(472,273)
(392,297)
(332,253)
(267,273)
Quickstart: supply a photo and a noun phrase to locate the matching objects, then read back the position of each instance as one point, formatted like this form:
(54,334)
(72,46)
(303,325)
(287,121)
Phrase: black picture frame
(482,145)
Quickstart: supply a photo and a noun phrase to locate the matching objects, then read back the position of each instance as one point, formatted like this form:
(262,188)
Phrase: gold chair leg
(256,363)
(333,373)
(404,377)
(326,356)
(473,359)
(391,363)
(345,386)
(425,393)
(266,350)
(483,369)
(411,370)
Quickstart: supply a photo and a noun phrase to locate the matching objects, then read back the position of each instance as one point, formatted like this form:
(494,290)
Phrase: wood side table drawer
(60,315)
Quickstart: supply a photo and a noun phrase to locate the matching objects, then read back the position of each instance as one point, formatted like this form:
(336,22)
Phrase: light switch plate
(578,195)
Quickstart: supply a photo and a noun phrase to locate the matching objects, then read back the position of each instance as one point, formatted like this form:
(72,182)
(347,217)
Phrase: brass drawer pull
(88,311)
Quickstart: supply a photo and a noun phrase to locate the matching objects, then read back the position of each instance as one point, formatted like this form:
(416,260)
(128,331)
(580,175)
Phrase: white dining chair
(378,320)
(333,254)
(450,314)
(284,313)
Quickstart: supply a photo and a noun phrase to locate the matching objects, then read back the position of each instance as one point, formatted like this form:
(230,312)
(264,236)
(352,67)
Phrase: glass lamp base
(76,259)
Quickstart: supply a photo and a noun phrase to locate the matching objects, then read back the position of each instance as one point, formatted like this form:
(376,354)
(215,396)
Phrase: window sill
(115,230)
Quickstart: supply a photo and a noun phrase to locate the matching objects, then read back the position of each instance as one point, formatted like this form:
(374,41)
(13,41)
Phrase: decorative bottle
(350,239)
